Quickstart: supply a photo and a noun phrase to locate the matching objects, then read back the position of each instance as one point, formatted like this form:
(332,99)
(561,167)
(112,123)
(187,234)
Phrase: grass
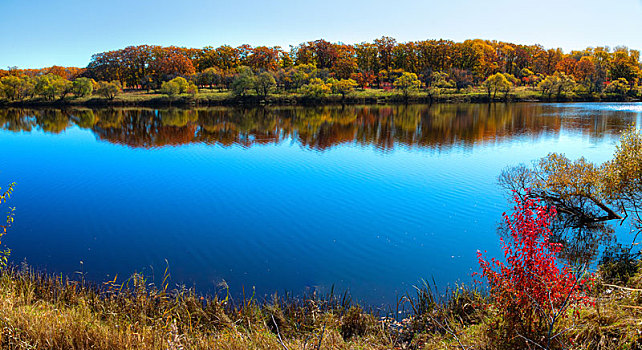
(39,311)
(208,96)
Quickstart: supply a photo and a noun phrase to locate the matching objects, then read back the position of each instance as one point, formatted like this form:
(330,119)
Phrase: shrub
(530,291)
(109,89)
(170,88)
(316,88)
(4,254)
(192,89)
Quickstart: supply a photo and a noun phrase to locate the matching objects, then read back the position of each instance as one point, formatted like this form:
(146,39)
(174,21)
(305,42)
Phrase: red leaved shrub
(531,291)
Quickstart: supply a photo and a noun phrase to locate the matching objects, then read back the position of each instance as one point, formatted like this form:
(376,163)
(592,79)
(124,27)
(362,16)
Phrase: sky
(42,33)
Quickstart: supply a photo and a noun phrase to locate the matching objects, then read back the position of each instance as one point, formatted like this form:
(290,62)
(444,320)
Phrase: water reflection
(367,198)
(385,127)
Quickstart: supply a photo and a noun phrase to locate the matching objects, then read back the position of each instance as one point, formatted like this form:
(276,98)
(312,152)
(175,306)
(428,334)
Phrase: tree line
(320,67)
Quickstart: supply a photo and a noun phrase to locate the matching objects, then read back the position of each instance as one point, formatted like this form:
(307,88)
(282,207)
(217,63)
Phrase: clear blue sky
(39,33)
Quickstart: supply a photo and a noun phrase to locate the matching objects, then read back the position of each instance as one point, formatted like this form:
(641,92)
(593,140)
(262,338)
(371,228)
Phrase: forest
(319,68)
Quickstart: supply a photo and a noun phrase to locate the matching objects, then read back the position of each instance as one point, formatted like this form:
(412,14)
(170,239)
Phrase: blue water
(370,198)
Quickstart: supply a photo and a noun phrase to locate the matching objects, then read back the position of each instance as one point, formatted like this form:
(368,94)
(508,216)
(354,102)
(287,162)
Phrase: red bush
(530,289)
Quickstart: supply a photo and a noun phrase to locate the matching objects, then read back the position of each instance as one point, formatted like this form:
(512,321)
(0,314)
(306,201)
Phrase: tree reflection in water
(385,127)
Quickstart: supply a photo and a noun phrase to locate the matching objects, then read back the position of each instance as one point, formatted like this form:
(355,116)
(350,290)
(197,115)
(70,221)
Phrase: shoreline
(42,308)
(366,97)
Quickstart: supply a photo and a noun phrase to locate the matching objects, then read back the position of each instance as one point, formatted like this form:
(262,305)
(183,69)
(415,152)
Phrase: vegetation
(529,290)
(4,197)
(438,66)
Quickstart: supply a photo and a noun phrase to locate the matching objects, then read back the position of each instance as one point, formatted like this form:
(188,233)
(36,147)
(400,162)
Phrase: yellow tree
(407,82)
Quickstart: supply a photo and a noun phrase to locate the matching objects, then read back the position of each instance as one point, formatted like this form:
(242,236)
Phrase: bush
(530,291)
(170,88)
(316,88)
(109,89)
(4,254)
(192,89)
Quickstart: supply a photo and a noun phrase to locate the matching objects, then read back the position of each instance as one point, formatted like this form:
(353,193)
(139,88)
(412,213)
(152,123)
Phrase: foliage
(182,84)
(243,82)
(619,87)
(210,76)
(109,90)
(621,177)
(176,86)
(316,88)
(83,87)
(619,264)
(170,88)
(343,86)
(559,83)
(530,290)
(192,89)
(495,83)
(52,86)
(264,83)
(4,197)
(407,83)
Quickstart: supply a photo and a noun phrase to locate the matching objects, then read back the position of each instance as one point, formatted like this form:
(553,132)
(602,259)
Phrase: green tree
(558,83)
(11,87)
(170,88)
(60,88)
(182,84)
(264,83)
(83,87)
(192,89)
(52,86)
(343,87)
(407,83)
(243,82)
(565,84)
(494,83)
(211,76)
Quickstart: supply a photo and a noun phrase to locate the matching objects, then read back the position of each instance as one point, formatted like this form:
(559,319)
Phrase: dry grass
(45,312)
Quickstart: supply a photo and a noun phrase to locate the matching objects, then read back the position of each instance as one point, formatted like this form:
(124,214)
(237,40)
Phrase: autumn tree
(619,87)
(530,289)
(210,76)
(316,88)
(558,83)
(343,87)
(16,88)
(590,193)
(494,83)
(407,83)
(109,90)
(462,78)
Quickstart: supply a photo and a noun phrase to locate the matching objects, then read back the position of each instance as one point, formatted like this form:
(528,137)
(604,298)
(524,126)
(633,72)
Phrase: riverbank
(215,97)
(39,311)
